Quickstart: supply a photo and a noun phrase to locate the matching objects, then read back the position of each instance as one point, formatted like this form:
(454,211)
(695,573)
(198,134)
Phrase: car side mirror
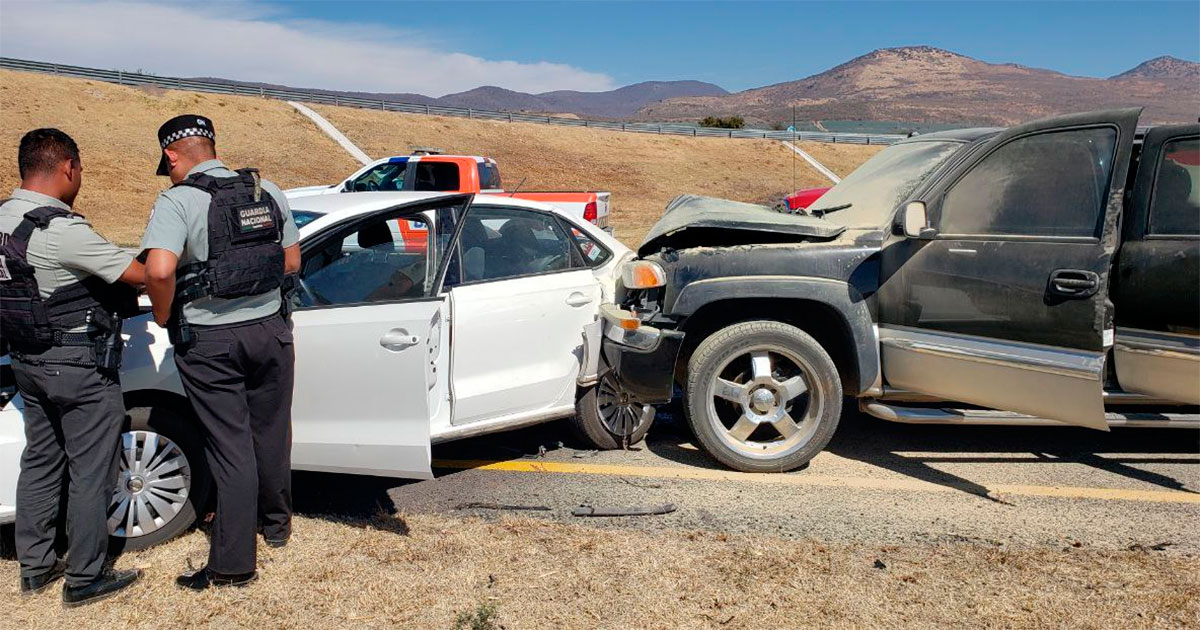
(916,221)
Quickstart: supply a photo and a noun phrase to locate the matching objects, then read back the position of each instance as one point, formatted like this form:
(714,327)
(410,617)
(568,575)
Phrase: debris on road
(637,510)
(501,506)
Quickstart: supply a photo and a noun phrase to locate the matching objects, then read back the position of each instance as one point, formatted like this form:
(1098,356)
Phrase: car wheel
(762,396)
(163,481)
(607,419)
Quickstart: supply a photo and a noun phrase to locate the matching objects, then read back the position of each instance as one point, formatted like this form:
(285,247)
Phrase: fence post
(336,100)
(470,113)
(426,109)
(693,132)
(660,130)
(622,126)
(382,105)
(509,116)
(120,77)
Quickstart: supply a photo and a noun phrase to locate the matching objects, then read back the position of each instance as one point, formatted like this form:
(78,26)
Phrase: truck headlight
(643,274)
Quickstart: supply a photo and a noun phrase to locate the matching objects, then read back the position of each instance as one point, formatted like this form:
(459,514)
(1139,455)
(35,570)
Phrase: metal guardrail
(171,83)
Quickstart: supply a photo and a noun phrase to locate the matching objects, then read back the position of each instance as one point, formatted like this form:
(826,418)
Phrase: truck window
(388,176)
(437,176)
(1051,184)
(1175,204)
(489,177)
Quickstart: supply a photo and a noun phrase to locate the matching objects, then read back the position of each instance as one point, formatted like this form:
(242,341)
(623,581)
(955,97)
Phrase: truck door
(1157,285)
(1002,301)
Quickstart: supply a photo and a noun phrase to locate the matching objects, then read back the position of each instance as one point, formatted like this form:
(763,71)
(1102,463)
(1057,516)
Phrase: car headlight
(643,274)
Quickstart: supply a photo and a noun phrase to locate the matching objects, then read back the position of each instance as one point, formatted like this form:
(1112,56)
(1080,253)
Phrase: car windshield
(304,217)
(867,197)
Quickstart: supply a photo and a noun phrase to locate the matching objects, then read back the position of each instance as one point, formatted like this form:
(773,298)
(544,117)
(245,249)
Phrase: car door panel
(1157,285)
(518,343)
(363,382)
(984,314)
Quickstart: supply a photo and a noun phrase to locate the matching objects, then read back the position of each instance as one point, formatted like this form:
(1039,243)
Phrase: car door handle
(1073,283)
(398,339)
(578,299)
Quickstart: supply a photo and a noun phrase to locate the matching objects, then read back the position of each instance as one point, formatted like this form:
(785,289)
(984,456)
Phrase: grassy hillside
(115,127)
(643,171)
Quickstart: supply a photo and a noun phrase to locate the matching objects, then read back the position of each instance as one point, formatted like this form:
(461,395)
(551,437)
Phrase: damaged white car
(420,318)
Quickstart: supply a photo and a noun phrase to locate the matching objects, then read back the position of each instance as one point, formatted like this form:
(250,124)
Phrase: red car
(802,199)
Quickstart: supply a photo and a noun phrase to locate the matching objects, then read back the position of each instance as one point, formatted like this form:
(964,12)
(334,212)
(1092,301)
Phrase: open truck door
(1000,297)
(1157,285)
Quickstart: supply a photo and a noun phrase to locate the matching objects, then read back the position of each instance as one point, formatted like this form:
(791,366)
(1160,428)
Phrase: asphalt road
(877,482)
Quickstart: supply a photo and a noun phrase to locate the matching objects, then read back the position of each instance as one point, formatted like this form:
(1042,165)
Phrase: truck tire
(606,422)
(762,396)
(163,470)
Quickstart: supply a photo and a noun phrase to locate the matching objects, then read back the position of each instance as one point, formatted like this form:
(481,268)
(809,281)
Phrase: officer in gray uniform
(61,305)
(218,247)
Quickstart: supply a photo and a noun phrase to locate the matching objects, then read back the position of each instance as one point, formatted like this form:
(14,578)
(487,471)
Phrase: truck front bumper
(642,361)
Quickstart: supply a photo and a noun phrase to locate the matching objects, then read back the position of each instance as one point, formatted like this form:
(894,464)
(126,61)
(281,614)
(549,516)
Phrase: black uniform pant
(239,379)
(73,418)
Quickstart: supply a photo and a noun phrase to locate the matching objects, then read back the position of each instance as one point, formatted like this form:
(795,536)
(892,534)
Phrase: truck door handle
(1074,284)
(578,299)
(398,339)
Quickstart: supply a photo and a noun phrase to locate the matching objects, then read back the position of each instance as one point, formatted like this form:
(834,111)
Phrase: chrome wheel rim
(619,415)
(152,486)
(760,403)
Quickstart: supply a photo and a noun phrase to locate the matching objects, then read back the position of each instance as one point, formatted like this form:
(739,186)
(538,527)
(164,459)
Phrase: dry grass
(115,128)
(423,571)
(643,171)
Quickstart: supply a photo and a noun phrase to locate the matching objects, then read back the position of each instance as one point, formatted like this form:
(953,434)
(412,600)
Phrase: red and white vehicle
(458,173)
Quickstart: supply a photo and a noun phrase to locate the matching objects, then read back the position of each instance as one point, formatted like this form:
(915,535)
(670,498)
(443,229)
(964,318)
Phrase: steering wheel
(312,296)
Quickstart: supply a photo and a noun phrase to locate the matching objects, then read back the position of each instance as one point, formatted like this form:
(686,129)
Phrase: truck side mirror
(916,221)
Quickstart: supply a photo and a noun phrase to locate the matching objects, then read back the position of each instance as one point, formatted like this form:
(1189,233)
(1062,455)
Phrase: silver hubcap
(760,404)
(620,415)
(152,487)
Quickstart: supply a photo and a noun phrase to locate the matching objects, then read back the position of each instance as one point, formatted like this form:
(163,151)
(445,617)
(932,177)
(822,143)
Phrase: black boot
(202,579)
(109,583)
(39,583)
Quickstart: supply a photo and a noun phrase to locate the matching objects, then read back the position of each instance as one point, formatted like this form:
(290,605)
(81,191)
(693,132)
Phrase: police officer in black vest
(63,292)
(218,247)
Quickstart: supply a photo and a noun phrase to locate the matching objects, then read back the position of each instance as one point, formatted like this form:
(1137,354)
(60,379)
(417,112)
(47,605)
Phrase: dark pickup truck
(1044,274)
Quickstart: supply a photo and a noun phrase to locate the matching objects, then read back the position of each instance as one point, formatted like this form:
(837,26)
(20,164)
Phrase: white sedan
(421,318)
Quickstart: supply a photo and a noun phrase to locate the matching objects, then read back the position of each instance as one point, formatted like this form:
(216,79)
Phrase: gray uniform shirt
(67,251)
(179,224)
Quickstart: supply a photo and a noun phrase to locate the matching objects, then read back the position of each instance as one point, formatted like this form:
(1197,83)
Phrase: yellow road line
(807,480)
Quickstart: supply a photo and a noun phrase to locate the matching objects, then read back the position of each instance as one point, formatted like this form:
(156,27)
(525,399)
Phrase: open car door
(370,366)
(1002,301)
(1157,285)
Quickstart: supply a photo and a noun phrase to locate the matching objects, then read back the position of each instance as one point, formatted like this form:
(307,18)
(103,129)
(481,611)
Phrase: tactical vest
(30,324)
(245,232)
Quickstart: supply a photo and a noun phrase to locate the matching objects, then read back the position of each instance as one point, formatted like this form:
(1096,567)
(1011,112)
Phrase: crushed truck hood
(736,220)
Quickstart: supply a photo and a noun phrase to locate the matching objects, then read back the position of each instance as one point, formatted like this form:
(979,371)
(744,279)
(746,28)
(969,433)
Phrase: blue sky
(435,48)
(749,44)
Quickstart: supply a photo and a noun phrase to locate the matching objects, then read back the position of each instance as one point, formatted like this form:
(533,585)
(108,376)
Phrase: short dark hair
(43,149)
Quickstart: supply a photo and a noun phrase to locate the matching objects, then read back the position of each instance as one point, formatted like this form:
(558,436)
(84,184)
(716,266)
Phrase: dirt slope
(115,127)
(642,171)
(924,84)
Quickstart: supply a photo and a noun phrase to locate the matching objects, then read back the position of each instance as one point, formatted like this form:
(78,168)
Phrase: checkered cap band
(184,133)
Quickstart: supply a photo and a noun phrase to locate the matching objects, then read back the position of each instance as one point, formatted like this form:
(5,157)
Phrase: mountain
(930,85)
(1165,67)
(619,103)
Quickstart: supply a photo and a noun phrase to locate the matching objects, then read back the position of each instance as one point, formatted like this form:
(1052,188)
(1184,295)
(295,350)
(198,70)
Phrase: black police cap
(181,127)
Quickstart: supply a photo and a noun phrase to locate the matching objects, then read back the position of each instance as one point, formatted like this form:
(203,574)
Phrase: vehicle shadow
(357,500)
(916,450)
